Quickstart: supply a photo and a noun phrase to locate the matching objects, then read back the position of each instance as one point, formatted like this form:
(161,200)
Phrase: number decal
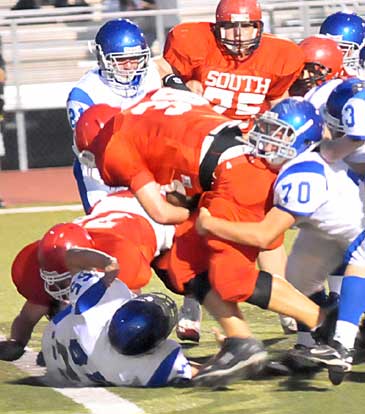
(107,222)
(223,99)
(174,102)
(304,192)
(348,117)
(303,195)
(288,188)
(70,373)
(74,116)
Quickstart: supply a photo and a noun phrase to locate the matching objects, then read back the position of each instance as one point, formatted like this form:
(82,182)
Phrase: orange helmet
(238,14)
(51,256)
(89,125)
(323,61)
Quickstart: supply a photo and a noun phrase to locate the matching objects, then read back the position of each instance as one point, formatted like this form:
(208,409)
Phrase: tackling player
(308,193)
(118,230)
(238,68)
(232,275)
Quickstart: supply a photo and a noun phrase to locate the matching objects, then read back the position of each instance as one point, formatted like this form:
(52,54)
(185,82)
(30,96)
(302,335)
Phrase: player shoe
(188,326)
(296,359)
(239,358)
(335,357)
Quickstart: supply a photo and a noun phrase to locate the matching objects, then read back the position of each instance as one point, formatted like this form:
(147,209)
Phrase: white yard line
(71,207)
(97,400)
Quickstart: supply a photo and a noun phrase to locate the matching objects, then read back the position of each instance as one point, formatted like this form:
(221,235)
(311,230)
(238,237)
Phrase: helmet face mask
(290,128)
(238,27)
(56,284)
(272,139)
(142,323)
(51,256)
(123,56)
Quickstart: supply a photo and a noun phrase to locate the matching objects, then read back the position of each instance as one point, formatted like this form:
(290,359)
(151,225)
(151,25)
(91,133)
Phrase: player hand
(201,221)
(111,272)
(195,86)
(11,350)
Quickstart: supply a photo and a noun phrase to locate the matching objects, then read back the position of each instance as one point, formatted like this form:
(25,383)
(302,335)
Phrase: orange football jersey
(237,89)
(159,138)
(242,191)
(127,234)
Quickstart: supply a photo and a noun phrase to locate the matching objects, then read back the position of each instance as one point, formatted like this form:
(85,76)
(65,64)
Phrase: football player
(323,61)
(118,230)
(232,275)
(125,73)
(236,66)
(109,336)
(313,194)
(348,30)
(240,69)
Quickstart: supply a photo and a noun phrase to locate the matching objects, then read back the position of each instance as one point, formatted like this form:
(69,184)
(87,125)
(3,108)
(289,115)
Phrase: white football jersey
(126,204)
(93,89)
(323,197)
(77,350)
(353,120)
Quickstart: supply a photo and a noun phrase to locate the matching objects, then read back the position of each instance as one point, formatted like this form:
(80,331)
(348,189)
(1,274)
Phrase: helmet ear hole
(142,323)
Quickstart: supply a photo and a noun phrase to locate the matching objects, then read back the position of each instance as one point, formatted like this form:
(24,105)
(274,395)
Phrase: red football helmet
(323,61)
(87,129)
(51,256)
(238,26)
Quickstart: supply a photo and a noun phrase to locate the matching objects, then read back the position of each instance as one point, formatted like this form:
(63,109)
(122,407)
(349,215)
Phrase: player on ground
(109,336)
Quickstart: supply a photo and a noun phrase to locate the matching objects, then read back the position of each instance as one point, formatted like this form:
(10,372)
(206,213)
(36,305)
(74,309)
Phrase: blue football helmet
(332,110)
(348,29)
(142,323)
(291,126)
(123,55)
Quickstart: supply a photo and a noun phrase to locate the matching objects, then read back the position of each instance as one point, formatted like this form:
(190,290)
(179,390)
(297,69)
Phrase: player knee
(262,291)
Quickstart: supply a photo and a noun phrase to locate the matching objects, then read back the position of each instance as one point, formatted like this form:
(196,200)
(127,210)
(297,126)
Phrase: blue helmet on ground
(291,126)
(142,323)
(348,29)
(332,110)
(123,55)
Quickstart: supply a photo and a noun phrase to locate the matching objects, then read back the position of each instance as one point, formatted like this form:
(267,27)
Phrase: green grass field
(276,395)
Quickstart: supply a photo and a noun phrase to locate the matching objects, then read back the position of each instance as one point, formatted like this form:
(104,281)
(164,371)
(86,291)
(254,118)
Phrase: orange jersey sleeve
(187,46)
(26,277)
(286,62)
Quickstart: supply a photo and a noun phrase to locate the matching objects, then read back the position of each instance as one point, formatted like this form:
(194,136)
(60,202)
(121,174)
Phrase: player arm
(332,150)
(21,330)
(78,259)
(157,207)
(260,234)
